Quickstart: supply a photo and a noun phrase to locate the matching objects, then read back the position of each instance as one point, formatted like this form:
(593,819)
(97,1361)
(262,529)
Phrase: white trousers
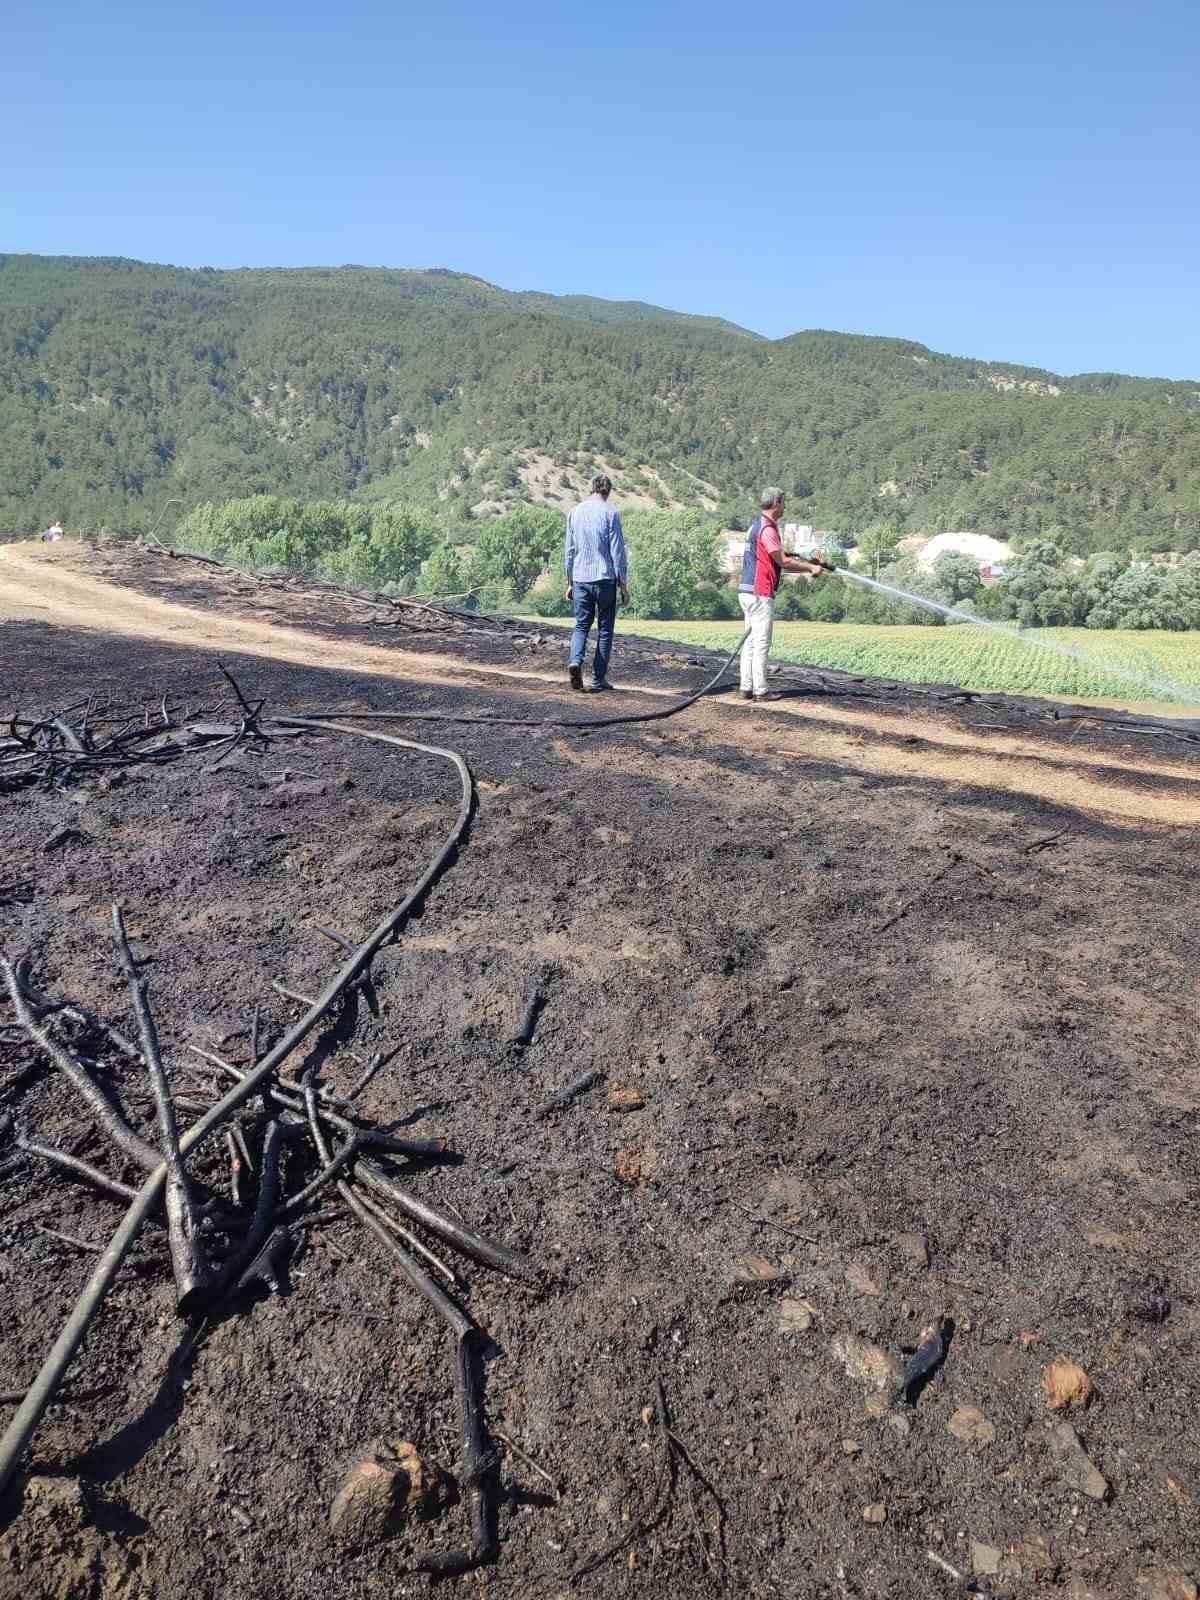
(759,612)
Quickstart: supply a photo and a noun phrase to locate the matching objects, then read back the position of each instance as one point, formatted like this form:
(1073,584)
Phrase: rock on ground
(860,1277)
(755,1272)
(623,1098)
(795,1315)
(971,1426)
(386,1490)
(985,1559)
(865,1361)
(1065,1384)
(1075,1466)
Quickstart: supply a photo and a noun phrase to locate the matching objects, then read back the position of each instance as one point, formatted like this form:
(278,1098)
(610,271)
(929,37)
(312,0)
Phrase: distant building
(991,572)
(980,546)
(730,546)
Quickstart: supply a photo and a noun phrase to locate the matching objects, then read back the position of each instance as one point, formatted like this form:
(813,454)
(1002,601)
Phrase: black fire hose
(540,722)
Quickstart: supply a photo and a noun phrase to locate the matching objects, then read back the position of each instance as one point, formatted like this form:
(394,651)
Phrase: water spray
(1154,683)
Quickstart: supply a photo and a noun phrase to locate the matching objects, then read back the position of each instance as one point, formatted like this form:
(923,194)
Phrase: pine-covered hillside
(124,386)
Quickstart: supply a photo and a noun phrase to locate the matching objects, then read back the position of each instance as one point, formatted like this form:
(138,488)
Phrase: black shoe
(747,694)
(576,674)
(602,686)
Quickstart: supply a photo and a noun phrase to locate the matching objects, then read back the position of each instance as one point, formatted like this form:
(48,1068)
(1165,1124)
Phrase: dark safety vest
(750,558)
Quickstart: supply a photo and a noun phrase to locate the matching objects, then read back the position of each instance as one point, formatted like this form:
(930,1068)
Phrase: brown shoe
(576,675)
(747,694)
(771,694)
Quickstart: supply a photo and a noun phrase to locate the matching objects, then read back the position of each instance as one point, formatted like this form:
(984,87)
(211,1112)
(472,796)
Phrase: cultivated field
(1107,664)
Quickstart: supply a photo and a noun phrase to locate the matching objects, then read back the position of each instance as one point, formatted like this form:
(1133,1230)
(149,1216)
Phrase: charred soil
(875,1045)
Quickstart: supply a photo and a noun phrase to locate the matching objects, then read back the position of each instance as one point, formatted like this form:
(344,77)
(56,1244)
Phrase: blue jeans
(594,601)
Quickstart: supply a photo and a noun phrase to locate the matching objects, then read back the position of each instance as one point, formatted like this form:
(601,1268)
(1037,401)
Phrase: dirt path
(45,583)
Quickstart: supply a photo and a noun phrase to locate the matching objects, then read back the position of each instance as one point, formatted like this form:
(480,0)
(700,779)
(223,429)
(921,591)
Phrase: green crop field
(1075,662)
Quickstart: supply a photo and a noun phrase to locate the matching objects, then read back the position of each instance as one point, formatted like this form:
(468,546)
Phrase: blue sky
(1009,181)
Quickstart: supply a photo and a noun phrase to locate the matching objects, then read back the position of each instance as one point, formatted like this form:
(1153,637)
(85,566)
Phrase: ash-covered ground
(901,1048)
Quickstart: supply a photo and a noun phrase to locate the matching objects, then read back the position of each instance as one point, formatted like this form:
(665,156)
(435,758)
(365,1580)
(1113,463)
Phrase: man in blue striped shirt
(596,569)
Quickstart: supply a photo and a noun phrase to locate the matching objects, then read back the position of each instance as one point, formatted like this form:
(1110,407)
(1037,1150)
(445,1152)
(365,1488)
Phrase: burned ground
(859,1003)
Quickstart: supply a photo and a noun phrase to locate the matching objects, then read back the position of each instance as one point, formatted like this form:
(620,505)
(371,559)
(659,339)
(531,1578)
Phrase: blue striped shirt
(595,543)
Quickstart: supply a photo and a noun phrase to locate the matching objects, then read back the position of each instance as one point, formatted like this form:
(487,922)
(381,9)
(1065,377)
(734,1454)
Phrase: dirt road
(53,583)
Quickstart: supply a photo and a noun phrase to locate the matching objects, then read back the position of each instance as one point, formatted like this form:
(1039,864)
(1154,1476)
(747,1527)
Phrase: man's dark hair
(601,484)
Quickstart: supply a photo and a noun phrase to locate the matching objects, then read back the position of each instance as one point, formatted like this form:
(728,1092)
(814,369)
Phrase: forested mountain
(124,386)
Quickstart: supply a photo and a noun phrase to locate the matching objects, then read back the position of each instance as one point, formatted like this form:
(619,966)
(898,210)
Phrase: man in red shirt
(762,566)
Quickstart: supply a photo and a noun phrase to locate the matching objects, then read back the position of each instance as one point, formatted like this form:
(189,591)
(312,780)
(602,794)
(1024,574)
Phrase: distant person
(54,531)
(596,571)
(762,566)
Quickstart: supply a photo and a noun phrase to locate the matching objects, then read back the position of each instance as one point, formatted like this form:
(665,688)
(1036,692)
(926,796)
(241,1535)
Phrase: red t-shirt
(766,571)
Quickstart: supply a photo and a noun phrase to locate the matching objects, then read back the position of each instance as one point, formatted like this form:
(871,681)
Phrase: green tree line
(514,561)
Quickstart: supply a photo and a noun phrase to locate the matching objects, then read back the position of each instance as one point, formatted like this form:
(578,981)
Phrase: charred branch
(193,1277)
(106,1116)
(73,1165)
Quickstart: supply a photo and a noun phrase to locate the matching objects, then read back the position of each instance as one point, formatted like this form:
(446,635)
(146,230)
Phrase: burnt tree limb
(193,1276)
(107,1117)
